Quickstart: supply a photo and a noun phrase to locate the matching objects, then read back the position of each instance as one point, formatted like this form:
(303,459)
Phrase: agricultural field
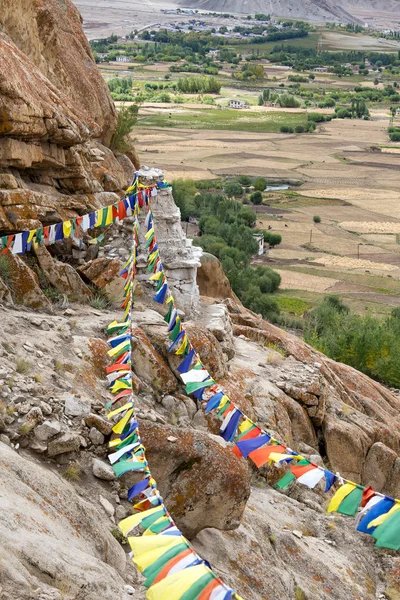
(345,171)
(352,187)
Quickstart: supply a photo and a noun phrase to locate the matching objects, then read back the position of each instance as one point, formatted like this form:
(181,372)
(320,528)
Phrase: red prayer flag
(298,471)
(261,456)
(368,493)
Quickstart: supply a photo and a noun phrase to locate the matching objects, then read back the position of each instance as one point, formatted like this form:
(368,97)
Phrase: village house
(237,104)
(123,59)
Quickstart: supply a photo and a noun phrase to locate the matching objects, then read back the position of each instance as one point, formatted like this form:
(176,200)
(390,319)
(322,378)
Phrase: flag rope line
(171,566)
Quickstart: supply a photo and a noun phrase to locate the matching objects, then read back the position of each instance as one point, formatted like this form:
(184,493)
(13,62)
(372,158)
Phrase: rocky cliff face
(56,119)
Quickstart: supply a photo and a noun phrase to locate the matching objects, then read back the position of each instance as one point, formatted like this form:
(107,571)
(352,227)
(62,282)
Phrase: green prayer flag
(193,387)
(148,521)
(124,466)
(159,527)
(223,409)
(350,504)
(196,588)
(387,535)
(176,330)
(283,483)
(168,316)
(160,283)
(153,570)
(104,213)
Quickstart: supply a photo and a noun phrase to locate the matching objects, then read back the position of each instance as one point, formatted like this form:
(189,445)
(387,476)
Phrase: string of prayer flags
(172,568)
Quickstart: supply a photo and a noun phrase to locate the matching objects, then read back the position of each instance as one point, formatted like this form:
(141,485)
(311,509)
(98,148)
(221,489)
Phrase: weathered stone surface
(67,442)
(212,280)
(267,561)
(47,430)
(102,470)
(217,320)
(149,365)
(92,420)
(182,469)
(75,406)
(44,552)
(62,276)
(379,466)
(32,27)
(207,346)
(96,437)
(5,294)
(101,271)
(351,411)
(25,284)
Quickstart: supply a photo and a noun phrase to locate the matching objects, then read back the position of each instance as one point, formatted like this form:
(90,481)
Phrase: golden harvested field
(354,188)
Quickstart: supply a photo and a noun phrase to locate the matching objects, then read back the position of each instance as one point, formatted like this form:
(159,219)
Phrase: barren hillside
(317,10)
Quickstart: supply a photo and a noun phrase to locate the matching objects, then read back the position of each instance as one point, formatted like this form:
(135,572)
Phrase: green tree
(260,183)
(233,188)
(316,219)
(256,198)
(184,192)
(275,239)
(127,119)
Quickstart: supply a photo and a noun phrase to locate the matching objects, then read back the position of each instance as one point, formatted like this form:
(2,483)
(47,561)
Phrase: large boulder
(149,365)
(25,284)
(203,483)
(212,280)
(62,276)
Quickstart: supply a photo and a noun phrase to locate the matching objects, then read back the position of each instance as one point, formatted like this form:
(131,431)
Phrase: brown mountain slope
(317,10)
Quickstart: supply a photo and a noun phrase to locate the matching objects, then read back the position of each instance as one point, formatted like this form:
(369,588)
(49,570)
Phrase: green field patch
(225,120)
(292,305)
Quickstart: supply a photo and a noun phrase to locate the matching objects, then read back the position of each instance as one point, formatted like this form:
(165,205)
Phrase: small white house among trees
(237,104)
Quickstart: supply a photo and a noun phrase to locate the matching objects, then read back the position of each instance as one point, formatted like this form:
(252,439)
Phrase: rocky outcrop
(25,284)
(211,279)
(48,532)
(350,412)
(50,33)
(56,119)
(62,276)
(203,483)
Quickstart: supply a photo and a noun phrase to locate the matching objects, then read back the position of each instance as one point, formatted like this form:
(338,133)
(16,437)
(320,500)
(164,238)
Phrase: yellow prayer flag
(99,217)
(157,276)
(109,218)
(149,233)
(119,410)
(174,586)
(340,495)
(67,228)
(120,385)
(148,549)
(130,522)
(183,346)
(120,426)
(31,235)
(117,349)
(246,425)
(224,400)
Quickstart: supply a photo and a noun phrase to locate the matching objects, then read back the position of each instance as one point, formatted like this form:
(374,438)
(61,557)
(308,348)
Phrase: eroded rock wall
(56,119)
